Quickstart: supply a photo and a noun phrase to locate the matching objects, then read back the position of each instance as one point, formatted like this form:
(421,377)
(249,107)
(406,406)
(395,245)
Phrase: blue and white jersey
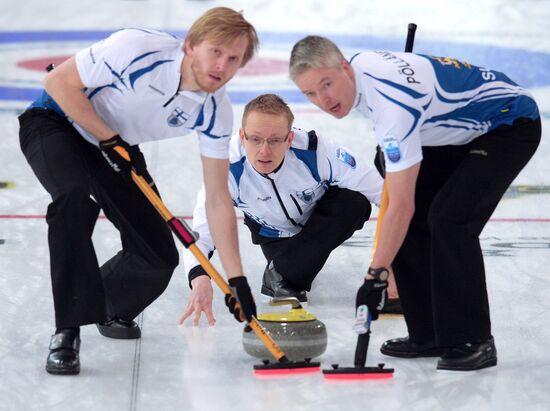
(416,100)
(280,203)
(132,80)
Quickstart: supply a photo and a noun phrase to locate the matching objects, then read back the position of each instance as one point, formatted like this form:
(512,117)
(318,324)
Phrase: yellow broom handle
(268,341)
(383,207)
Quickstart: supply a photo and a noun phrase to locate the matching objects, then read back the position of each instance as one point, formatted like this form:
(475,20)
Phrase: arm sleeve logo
(391,148)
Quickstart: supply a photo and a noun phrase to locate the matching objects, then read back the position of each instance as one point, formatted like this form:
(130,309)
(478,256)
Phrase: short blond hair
(223,25)
(269,104)
(314,52)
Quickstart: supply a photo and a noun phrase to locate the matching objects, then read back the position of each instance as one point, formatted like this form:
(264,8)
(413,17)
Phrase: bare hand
(201,300)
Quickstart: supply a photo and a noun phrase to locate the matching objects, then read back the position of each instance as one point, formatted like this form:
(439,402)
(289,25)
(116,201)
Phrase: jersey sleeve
(341,167)
(200,225)
(107,61)
(215,132)
(397,129)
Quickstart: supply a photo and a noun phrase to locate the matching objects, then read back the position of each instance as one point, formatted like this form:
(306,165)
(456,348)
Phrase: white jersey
(416,100)
(278,204)
(132,80)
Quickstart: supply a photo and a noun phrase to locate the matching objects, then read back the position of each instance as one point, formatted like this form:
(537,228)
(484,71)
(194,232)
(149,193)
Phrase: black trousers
(72,170)
(339,213)
(439,268)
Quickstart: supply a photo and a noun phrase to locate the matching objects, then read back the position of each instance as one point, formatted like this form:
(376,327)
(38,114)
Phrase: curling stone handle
(293,301)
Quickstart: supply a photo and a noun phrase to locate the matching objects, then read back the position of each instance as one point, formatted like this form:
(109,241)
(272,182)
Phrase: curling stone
(299,333)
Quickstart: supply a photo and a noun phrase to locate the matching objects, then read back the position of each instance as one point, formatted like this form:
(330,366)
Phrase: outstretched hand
(199,302)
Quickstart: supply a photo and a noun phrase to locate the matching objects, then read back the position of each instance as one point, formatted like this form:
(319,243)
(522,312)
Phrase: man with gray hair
(454,137)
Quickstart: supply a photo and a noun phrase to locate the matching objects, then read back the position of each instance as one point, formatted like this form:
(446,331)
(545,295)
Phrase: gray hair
(314,52)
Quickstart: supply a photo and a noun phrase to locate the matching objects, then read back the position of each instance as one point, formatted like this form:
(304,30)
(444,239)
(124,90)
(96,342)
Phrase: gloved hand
(120,164)
(242,295)
(373,294)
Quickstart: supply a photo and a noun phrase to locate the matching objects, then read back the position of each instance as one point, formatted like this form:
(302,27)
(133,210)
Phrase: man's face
(214,64)
(330,89)
(266,139)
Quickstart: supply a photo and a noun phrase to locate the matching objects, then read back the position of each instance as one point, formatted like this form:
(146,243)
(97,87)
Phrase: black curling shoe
(405,348)
(469,357)
(119,329)
(63,358)
(274,285)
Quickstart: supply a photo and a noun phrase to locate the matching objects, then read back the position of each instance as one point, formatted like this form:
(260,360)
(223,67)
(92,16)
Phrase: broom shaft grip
(181,230)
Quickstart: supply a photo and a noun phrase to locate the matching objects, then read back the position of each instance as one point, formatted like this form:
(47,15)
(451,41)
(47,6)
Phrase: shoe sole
(60,371)
(131,334)
(266,292)
(399,354)
(486,364)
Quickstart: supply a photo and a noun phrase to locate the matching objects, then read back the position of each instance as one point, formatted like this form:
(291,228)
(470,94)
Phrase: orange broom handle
(152,196)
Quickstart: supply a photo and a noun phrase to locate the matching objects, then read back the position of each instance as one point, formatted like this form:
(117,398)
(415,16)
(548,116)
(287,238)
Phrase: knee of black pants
(354,206)
(74,206)
(171,255)
(442,224)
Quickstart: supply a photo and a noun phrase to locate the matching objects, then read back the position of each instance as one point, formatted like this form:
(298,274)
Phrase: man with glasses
(302,196)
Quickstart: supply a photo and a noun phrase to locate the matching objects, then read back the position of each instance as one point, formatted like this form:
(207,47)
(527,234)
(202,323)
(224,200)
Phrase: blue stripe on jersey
(46,101)
(237,169)
(352,57)
(208,131)
(213,118)
(138,58)
(269,232)
(448,100)
(414,94)
(309,158)
(330,180)
(415,113)
(138,73)
(489,112)
(200,119)
(97,90)
(425,107)
(114,73)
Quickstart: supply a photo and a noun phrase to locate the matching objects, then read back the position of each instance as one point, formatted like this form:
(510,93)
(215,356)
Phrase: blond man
(135,86)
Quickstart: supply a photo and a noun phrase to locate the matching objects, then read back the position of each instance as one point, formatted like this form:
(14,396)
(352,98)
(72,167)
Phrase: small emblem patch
(345,157)
(391,148)
(177,118)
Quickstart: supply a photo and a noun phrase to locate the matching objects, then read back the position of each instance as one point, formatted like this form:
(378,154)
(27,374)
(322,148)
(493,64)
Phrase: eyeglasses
(272,142)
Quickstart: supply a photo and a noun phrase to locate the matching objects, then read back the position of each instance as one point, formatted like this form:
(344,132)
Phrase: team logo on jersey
(449,61)
(306,195)
(391,148)
(345,157)
(177,118)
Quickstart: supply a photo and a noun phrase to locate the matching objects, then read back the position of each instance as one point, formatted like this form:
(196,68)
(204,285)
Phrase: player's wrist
(378,273)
